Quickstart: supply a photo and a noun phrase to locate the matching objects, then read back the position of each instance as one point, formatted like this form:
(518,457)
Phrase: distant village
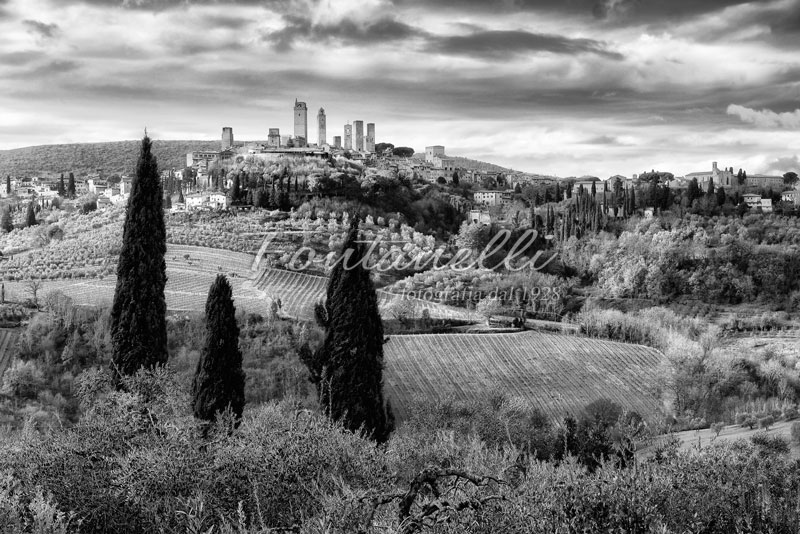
(494,193)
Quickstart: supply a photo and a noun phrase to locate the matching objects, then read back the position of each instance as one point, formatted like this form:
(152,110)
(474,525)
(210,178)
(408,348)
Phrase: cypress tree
(235,188)
(71,186)
(8,184)
(219,379)
(30,218)
(62,190)
(348,368)
(138,325)
(181,200)
(5,221)
(720,196)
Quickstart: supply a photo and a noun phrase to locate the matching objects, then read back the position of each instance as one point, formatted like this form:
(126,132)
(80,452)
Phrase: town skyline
(560,88)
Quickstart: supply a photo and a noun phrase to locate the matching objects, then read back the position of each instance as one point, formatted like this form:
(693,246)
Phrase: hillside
(558,374)
(112,158)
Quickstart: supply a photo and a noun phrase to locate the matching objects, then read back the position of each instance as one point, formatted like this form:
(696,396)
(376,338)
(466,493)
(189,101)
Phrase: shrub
(770,444)
(717,428)
(741,418)
(790,413)
(766,422)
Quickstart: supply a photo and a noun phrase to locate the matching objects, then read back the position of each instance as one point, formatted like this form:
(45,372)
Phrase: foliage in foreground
(137,462)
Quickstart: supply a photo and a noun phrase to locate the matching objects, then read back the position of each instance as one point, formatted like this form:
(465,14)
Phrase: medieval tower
(321,133)
(370,137)
(348,137)
(359,135)
(227,138)
(300,120)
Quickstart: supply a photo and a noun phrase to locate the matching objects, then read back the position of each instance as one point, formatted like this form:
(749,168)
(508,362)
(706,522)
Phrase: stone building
(300,120)
(359,135)
(348,137)
(322,138)
(227,138)
(370,142)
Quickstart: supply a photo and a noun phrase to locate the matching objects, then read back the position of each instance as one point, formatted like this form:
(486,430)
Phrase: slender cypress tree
(348,368)
(219,379)
(30,218)
(5,221)
(62,189)
(71,186)
(8,184)
(138,325)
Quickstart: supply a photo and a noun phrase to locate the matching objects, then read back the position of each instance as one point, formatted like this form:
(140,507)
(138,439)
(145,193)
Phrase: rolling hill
(113,158)
(559,374)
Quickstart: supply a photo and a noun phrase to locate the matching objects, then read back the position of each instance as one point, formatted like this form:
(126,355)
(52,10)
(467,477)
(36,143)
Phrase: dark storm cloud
(644,10)
(44,70)
(346,30)
(229,22)
(21,58)
(41,28)
(498,44)
(162,5)
(602,140)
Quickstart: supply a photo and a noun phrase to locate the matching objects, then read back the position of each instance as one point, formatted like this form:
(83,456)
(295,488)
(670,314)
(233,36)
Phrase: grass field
(556,373)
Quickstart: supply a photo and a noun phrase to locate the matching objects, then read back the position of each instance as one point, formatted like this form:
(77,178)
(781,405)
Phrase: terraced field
(8,339)
(558,374)
(188,280)
(299,292)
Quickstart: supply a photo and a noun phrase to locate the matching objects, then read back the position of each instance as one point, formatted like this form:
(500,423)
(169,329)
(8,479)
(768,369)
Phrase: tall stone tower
(370,137)
(227,138)
(300,120)
(337,141)
(359,135)
(348,137)
(322,135)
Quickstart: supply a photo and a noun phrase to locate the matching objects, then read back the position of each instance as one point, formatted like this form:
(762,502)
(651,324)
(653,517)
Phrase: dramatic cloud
(766,118)
(784,165)
(566,87)
(41,28)
(346,31)
(499,44)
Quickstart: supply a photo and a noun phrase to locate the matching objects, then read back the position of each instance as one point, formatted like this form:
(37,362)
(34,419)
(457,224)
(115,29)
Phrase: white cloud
(766,118)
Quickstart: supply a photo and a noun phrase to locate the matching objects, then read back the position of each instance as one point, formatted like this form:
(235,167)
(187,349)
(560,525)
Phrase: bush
(741,418)
(749,422)
(796,431)
(717,428)
(790,413)
(766,422)
(770,444)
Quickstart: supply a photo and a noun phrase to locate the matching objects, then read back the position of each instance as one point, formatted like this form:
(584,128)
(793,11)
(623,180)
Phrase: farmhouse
(793,196)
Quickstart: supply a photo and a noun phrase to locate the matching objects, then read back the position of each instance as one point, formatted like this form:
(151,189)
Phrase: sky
(560,87)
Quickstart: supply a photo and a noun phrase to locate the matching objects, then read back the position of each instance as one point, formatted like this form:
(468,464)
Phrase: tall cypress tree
(62,189)
(219,379)
(5,220)
(30,218)
(138,325)
(8,184)
(71,186)
(348,368)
